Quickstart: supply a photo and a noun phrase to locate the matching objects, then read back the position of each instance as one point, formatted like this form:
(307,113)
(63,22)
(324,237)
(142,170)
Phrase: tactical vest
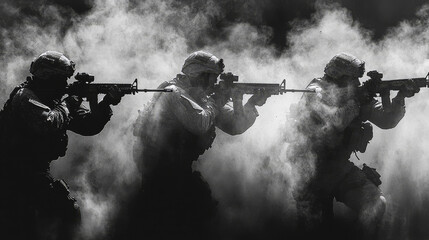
(165,140)
(354,138)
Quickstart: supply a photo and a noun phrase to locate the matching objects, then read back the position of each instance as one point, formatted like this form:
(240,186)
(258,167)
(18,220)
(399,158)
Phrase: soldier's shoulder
(24,94)
(176,90)
(26,98)
(169,97)
(317,81)
(176,87)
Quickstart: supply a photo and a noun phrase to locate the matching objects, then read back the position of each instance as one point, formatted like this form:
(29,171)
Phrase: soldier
(172,131)
(329,126)
(34,122)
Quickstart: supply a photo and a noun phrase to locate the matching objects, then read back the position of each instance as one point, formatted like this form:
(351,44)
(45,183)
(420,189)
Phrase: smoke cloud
(249,174)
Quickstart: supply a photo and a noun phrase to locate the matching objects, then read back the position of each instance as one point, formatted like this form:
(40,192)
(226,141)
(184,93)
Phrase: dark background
(376,16)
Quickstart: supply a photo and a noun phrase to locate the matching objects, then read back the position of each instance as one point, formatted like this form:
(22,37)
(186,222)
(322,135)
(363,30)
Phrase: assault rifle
(84,87)
(374,85)
(229,81)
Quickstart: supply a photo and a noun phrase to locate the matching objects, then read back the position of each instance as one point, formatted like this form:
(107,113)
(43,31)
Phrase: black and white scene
(214,119)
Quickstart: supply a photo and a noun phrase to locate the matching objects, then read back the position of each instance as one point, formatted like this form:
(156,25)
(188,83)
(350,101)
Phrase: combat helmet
(50,64)
(202,62)
(344,64)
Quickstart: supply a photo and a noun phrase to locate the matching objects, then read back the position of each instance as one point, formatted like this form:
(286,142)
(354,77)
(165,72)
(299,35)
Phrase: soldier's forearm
(386,118)
(238,106)
(93,102)
(232,123)
(57,119)
(399,100)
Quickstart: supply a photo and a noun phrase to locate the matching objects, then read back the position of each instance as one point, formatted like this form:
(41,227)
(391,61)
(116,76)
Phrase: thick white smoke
(249,174)
(255,160)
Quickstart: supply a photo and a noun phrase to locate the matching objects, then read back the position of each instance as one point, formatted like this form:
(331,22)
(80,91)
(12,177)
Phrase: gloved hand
(113,96)
(408,89)
(259,98)
(73,103)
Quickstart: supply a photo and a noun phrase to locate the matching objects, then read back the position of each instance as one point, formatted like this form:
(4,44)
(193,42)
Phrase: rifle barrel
(153,90)
(396,84)
(298,90)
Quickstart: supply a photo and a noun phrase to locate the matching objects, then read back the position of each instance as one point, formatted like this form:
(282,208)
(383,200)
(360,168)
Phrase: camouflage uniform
(34,125)
(172,131)
(329,126)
